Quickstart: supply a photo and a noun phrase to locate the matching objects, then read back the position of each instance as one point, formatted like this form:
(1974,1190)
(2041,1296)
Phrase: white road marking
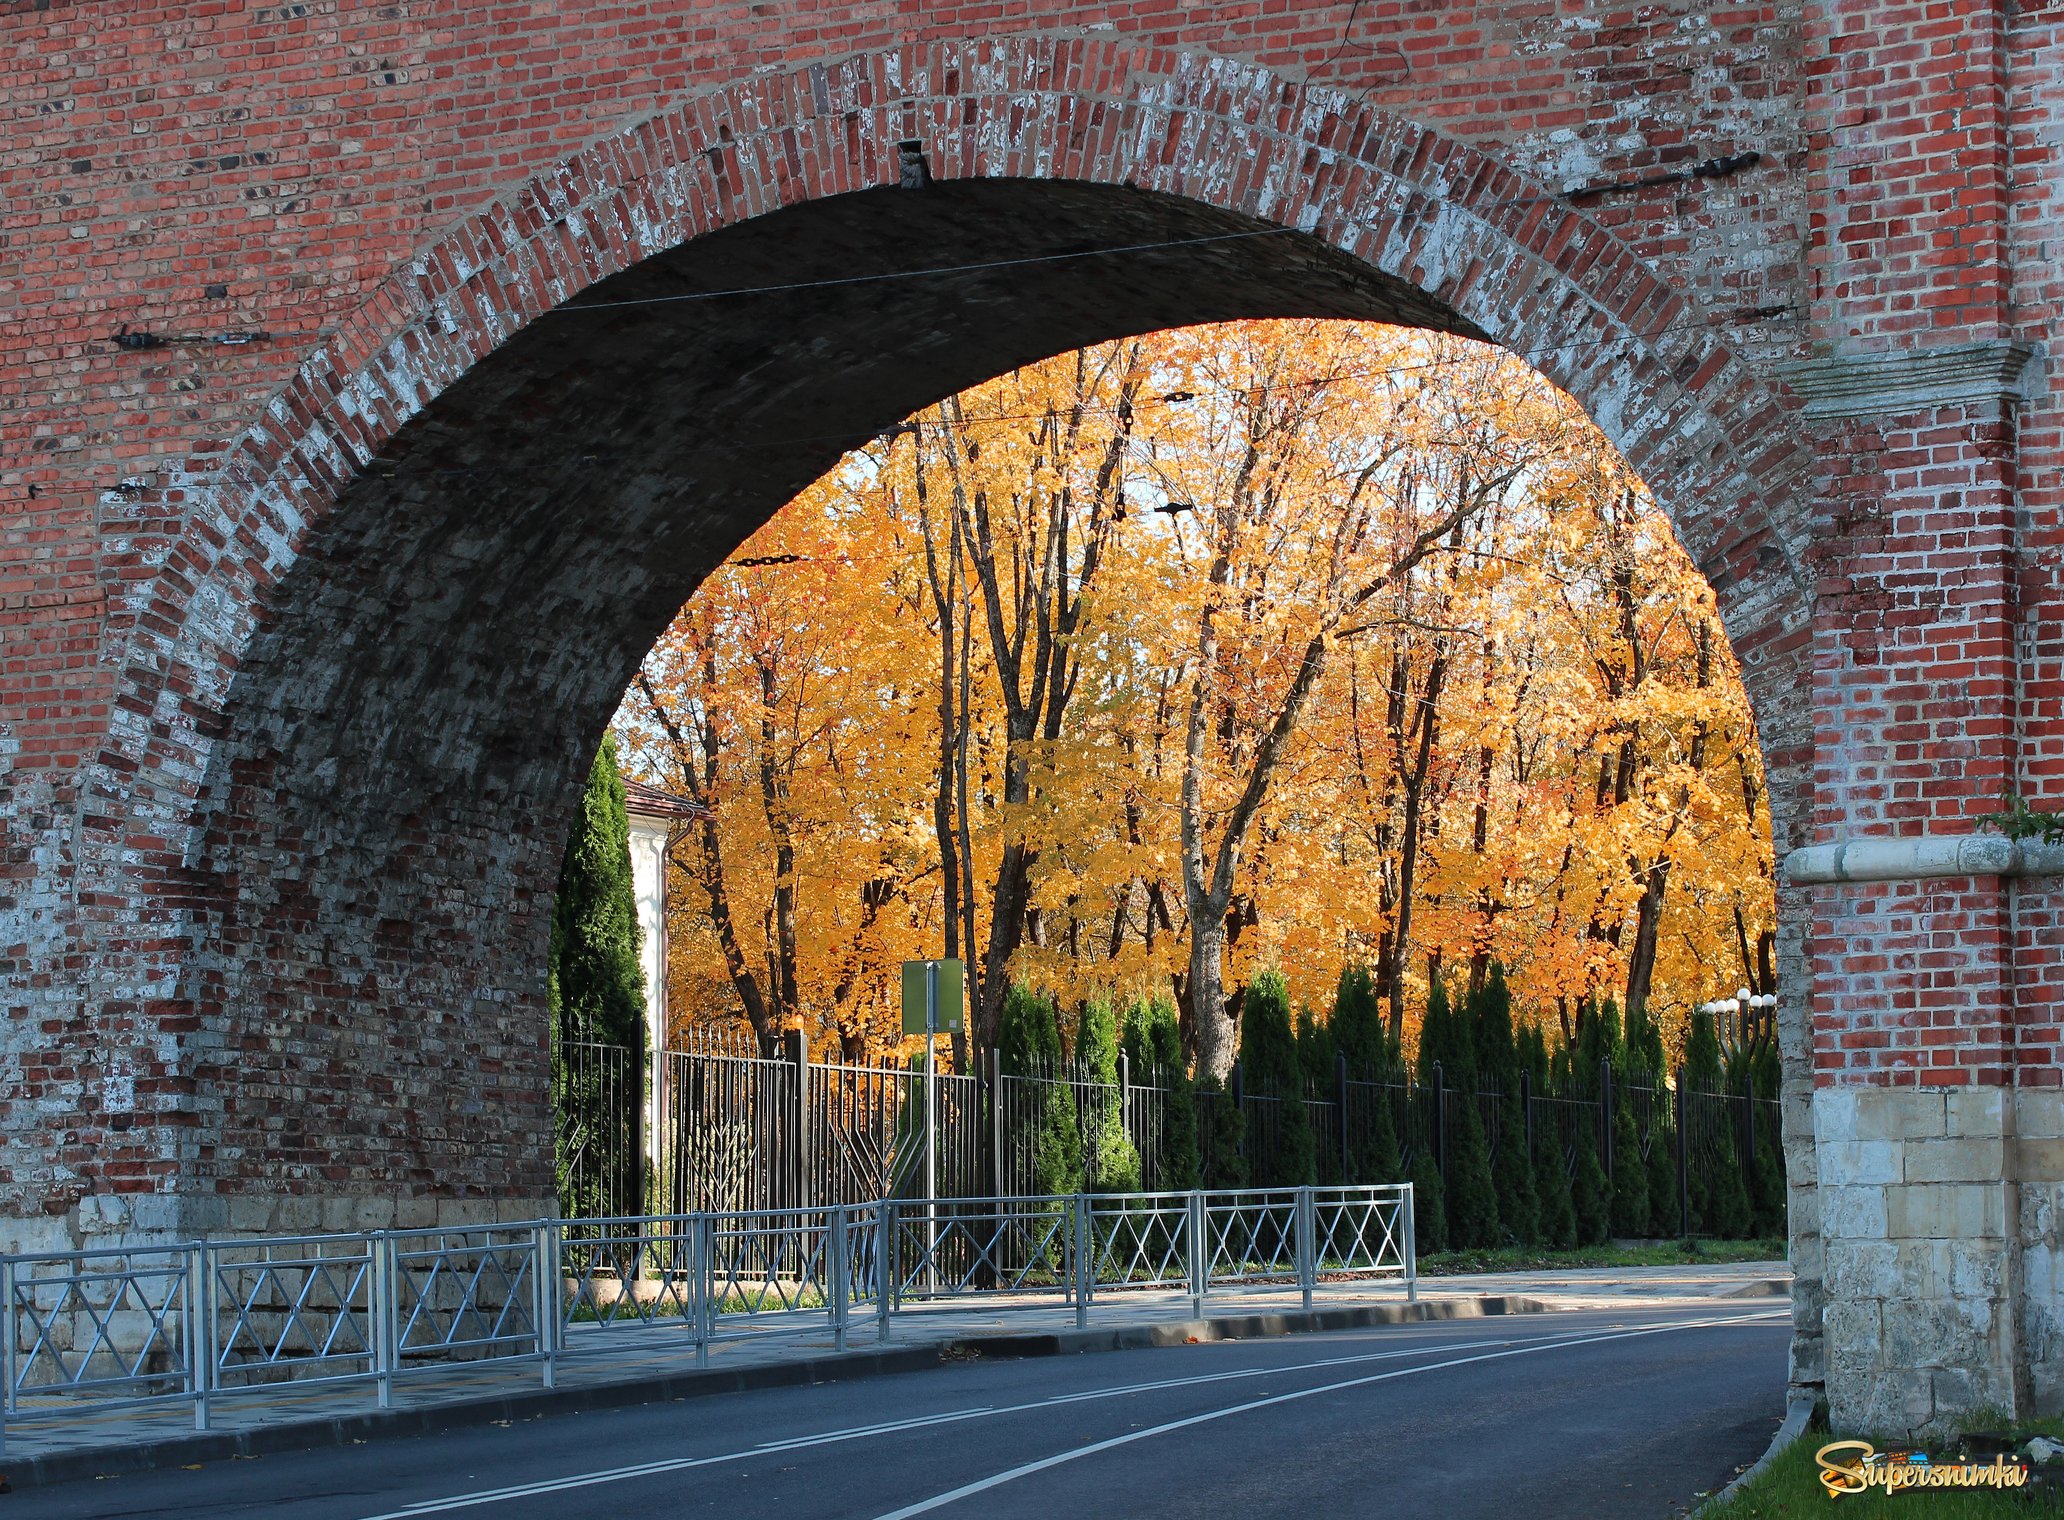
(1011,1475)
(859,1432)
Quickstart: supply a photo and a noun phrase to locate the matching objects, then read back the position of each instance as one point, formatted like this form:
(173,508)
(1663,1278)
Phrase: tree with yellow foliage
(1300,645)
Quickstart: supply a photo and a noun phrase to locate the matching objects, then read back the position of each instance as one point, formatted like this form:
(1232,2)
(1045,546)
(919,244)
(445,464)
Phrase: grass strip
(1668,1253)
(1790,1488)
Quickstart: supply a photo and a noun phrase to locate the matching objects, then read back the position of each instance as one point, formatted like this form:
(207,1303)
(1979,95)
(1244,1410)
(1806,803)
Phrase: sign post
(933,1004)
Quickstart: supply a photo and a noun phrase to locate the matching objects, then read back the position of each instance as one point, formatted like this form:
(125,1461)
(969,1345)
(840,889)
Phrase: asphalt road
(1593,1415)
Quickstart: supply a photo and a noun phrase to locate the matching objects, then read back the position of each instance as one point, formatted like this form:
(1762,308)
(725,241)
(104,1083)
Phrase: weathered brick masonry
(303,642)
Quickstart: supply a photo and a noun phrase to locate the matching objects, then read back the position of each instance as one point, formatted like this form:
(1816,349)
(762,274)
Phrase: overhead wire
(577,305)
(1761,314)
(126,339)
(393,468)
(1718,167)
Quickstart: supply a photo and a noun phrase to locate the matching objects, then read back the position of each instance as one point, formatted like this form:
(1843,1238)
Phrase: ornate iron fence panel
(732,1133)
(598,1096)
(869,1125)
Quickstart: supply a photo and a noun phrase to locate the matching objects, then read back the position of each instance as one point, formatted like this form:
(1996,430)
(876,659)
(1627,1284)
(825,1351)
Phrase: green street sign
(934,997)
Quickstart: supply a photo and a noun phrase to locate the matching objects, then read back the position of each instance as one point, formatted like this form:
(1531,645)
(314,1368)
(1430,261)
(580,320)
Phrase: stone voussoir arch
(1501,251)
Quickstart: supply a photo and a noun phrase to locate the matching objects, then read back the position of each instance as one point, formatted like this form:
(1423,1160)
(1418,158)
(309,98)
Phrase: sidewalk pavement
(1607,1287)
(605,1367)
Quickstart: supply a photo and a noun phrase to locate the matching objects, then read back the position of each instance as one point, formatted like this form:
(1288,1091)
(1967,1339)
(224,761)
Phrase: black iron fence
(598,1100)
(730,1128)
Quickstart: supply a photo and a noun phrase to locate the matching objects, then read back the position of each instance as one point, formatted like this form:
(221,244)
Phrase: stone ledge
(1872,385)
(1922,857)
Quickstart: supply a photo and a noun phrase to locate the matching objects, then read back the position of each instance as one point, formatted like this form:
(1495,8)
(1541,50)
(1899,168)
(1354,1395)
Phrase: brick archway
(260,719)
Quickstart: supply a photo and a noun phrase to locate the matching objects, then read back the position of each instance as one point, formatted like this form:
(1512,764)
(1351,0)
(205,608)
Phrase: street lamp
(1754,1004)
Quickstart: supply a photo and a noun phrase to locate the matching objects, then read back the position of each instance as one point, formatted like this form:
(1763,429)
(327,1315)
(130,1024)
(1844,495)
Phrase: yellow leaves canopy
(1531,744)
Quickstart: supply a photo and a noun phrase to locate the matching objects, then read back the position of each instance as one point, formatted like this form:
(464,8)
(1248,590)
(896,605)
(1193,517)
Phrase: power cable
(1757,314)
(576,305)
(1722,166)
(389,469)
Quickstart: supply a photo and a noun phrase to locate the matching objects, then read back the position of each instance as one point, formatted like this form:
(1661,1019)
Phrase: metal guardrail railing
(199,1322)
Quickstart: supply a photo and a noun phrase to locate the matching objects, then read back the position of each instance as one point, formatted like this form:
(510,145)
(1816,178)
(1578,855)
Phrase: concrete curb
(376,1424)
(1798,1414)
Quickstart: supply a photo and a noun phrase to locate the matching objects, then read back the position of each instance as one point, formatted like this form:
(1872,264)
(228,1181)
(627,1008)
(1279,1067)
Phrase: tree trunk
(786,1002)
(1031,623)
(1655,877)
(701,782)
(1217,1038)
(740,970)
(949,795)
(1487,901)
(1412,750)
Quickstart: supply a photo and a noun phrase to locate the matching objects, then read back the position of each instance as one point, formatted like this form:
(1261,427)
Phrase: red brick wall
(2036,148)
(1910,220)
(219,986)
(1937,591)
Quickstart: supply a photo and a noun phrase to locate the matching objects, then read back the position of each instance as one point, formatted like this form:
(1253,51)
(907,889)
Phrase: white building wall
(648,879)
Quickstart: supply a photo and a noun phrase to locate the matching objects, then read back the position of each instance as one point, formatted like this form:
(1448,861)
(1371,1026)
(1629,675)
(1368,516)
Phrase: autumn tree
(756,706)
(1290,644)
(1035,542)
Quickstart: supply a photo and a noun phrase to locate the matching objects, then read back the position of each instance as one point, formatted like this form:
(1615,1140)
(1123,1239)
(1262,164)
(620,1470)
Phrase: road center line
(858,1432)
(1011,1475)
(918,1422)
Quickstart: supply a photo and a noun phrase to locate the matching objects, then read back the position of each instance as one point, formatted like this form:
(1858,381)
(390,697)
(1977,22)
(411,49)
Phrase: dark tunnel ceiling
(515,550)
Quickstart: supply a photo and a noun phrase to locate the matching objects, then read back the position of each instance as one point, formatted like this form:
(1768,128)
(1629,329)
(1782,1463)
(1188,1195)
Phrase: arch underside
(520,543)
(384,818)
(385,814)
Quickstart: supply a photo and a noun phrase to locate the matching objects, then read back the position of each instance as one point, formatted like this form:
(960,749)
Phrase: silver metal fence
(203,1322)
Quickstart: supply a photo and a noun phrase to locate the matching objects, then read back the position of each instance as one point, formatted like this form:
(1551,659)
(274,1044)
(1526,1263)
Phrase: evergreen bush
(1472,1201)
(1318,1058)
(1297,1146)
(1377,1157)
(595,991)
(1643,1045)
(1490,1019)
(1154,1043)
(1767,1201)
(1730,1216)
(1630,1212)
(1759,1075)
(1590,1197)
(1360,1032)
(1270,1068)
(1719,1195)
(1664,1216)
(1552,1187)
(1429,1210)
(1445,1042)
(1221,1136)
(1029,1039)
(1500,1060)
(1110,1161)
(1512,1174)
